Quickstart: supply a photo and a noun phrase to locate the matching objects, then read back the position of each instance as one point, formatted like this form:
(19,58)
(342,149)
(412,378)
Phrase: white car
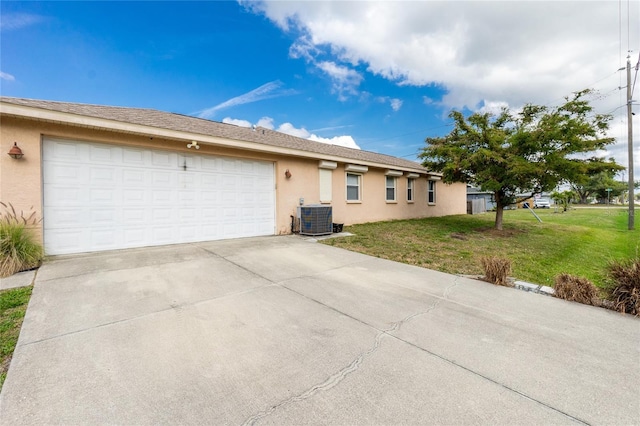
(541,203)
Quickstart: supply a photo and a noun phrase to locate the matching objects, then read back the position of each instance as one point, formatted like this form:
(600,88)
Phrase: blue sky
(382,76)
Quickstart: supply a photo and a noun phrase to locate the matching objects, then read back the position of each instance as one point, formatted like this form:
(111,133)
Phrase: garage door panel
(104,217)
(103,239)
(136,216)
(133,157)
(62,174)
(104,154)
(209,164)
(134,236)
(161,159)
(100,196)
(65,240)
(65,151)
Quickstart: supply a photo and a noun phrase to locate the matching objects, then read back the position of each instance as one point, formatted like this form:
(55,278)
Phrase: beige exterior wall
(21,180)
(373,207)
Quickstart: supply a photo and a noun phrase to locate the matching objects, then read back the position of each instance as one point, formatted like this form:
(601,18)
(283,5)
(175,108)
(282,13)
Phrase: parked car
(541,203)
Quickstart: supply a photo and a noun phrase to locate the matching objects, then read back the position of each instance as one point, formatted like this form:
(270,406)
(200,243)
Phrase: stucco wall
(450,199)
(20,180)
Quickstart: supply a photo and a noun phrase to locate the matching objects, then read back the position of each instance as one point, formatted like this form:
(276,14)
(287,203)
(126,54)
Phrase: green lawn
(13,304)
(580,242)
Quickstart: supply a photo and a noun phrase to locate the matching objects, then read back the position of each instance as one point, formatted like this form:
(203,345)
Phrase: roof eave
(78,120)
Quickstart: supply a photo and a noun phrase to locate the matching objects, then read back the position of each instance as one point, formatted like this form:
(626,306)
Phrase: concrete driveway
(280,330)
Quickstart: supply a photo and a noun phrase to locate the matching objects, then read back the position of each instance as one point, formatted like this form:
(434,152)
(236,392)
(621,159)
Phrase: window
(391,188)
(410,182)
(353,187)
(432,192)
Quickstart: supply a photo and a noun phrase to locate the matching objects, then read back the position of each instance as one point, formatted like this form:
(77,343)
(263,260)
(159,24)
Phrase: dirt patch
(505,233)
(459,236)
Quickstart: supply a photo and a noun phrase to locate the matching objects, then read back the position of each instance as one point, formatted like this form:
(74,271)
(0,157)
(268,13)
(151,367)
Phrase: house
(479,201)
(105,177)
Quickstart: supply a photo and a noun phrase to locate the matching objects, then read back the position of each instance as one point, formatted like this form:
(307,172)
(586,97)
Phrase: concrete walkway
(283,331)
(21,279)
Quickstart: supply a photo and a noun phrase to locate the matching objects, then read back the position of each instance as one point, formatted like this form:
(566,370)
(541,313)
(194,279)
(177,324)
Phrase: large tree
(528,152)
(593,180)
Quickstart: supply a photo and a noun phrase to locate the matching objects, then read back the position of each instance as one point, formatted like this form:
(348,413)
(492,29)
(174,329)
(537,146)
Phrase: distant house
(531,201)
(105,178)
(479,201)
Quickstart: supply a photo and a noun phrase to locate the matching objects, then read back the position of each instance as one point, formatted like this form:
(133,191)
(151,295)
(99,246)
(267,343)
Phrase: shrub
(496,270)
(576,289)
(626,285)
(18,249)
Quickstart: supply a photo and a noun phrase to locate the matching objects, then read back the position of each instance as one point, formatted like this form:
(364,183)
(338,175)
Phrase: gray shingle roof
(183,123)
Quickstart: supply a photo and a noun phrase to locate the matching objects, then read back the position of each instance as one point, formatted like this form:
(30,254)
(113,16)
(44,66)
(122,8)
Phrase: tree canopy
(511,154)
(597,178)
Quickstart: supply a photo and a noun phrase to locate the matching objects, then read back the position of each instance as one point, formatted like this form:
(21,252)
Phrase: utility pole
(630,145)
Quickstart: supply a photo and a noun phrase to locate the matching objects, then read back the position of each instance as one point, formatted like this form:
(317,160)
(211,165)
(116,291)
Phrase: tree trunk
(499,211)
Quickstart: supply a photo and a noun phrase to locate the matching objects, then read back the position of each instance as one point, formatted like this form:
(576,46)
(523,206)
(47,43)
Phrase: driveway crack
(336,378)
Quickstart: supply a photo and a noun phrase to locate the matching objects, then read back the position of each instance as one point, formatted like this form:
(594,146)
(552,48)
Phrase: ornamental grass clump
(576,289)
(19,250)
(496,270)
(625,291)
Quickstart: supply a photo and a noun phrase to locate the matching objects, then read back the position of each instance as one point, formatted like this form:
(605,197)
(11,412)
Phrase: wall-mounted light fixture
(193,144)
(287,174)
(15,151)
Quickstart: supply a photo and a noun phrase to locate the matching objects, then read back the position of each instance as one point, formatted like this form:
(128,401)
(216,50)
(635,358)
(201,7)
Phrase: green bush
(19,250)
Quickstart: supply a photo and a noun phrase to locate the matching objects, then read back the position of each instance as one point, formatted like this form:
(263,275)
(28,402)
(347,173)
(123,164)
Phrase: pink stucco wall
(21,180)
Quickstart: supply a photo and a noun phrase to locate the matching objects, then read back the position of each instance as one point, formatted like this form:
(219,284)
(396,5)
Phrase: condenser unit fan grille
(315,220)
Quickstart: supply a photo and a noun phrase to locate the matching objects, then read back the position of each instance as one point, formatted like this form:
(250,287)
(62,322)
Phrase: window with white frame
(354,182)
(390,188)
(431,198)
(410,183)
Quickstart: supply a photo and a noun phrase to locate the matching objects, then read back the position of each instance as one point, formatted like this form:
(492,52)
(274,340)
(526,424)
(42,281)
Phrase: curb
(534,288)
(521,285)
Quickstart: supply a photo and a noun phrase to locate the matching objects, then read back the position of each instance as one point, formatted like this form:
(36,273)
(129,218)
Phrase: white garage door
(103,197)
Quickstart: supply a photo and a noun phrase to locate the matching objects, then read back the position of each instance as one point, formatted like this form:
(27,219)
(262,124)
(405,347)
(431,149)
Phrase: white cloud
(479,52)
(494,108)
(236,122)
(290,129)
(6,76)
(620,149)
(266,122)
(266,91)
(16,21)
(345,80)
(396,104)
(345,140)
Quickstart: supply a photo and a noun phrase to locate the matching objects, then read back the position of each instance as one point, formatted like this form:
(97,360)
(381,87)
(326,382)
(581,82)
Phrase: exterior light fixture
(15,151)
(287,174)
(193,144)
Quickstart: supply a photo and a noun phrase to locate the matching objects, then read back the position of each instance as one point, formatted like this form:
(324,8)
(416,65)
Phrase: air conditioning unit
(315,220)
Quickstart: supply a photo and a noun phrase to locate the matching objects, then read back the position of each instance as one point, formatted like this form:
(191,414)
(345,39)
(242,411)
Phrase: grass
(579,242)
(13,305)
